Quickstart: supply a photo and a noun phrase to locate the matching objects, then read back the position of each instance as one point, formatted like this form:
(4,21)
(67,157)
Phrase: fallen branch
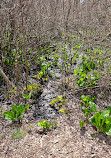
(9,83)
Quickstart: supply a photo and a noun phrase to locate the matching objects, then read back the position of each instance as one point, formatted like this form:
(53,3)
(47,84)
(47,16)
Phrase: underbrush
(85,72)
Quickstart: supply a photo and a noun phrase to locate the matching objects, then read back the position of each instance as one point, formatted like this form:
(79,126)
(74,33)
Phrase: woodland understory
(55,79)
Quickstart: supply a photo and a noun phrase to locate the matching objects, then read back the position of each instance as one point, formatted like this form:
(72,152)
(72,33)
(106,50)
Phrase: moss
(35,89)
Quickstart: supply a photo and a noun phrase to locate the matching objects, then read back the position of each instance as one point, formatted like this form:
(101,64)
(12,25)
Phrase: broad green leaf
(26,96)
(14,107)
(109,132)
(109,108)
(27,107)
(104,112)
(82,78)
(107,121)
(83,97)
(101,121)
(92,120)
(29,96)
(21,109)
(8,115)
(93,106)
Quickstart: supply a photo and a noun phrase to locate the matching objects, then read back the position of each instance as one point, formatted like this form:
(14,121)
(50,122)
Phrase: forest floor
(66,140)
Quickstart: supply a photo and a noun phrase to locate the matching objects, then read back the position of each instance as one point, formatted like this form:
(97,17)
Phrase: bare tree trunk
(24,40)
(67,17)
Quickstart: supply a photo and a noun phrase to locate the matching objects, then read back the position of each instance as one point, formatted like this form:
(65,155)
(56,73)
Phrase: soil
(66,140)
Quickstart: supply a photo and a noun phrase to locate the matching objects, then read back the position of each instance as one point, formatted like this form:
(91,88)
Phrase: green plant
(27,107)
(55,57)
(55,123)
(86,73)
(86,79)
(82,123)
(13,91)
(35,90)
(42,75)
(63,111)
(86,99)
(44,66)
(15,114)
(102,120)
(88,105)
(91,79)
(87,64)
(25,96)
(58,101)
(46,125)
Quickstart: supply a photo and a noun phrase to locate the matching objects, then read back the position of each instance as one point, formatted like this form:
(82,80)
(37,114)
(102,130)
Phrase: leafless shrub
(29,23)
